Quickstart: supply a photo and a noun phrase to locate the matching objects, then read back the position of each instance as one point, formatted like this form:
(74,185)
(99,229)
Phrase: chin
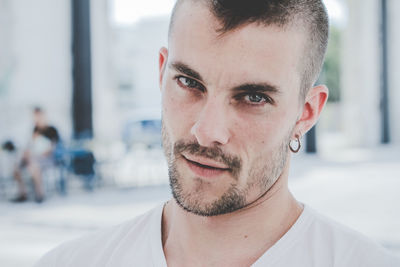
(198,200)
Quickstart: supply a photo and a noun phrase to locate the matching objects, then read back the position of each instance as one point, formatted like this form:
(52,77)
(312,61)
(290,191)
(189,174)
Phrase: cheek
(254,136)
(177,113)
(258,135)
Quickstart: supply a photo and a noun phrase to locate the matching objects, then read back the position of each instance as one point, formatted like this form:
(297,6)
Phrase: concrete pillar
(361,72)
(394,69)
(82,70)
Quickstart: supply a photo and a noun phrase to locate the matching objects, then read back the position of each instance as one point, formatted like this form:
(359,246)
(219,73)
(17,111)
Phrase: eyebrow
(185,69)
(257,87)
(247,87)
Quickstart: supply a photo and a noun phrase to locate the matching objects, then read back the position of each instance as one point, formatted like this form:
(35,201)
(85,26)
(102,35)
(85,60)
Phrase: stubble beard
(262,175)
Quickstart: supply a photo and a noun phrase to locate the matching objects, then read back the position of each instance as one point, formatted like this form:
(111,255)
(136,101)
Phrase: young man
(237,96)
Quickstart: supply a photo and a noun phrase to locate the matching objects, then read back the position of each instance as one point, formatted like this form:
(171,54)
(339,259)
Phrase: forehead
(252,52)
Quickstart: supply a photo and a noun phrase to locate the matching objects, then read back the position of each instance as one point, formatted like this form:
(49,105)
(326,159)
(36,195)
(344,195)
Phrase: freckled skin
(212,115)
(257,134)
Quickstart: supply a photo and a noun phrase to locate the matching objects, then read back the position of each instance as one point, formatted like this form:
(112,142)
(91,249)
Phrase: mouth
(205,168)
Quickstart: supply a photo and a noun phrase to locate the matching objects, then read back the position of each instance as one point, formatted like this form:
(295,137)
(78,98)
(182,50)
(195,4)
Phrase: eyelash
(240,97)
(197,85)
(265,99)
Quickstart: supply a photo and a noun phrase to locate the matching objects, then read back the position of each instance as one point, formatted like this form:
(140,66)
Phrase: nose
(211,126)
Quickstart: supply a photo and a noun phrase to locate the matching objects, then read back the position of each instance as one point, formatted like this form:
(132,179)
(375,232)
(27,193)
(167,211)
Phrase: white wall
(106,121)
(151,35)
(41,56)
(135,61)
(7,64)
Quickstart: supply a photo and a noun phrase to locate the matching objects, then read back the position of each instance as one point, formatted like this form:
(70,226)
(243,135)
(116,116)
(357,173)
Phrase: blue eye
(256,99)
(190,83)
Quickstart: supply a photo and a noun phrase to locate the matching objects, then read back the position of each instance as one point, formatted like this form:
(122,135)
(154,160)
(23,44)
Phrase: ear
(314,103)
(162,61)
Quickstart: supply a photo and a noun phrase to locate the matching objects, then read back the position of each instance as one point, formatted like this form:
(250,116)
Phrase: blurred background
(92,68)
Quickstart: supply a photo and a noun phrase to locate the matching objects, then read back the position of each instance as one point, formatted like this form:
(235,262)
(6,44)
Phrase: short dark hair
(311,15)
(37,109)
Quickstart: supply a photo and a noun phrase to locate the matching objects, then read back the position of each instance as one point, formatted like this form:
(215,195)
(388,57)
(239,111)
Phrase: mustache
(234,163)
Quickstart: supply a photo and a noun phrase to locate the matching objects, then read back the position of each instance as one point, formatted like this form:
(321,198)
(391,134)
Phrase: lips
(205,167)
(204,162)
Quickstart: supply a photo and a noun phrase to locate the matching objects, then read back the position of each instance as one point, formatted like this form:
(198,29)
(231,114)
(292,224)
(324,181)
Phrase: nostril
(200,136)
(211,125)
(208,134)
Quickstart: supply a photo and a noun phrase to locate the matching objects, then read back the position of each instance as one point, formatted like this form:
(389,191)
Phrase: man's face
(230,106)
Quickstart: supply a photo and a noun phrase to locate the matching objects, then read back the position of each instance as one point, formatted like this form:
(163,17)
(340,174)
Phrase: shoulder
(105,245)
(346,246)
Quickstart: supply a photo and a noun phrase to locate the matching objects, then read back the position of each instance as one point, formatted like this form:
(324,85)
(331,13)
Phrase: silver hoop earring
(297,147)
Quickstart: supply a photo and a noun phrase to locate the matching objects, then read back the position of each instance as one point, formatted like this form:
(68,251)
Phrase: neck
(238,236)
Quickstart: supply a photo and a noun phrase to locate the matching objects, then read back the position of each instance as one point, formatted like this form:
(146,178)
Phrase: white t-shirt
(313,240)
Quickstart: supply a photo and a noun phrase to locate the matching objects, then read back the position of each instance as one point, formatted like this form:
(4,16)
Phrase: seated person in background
(37,156)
